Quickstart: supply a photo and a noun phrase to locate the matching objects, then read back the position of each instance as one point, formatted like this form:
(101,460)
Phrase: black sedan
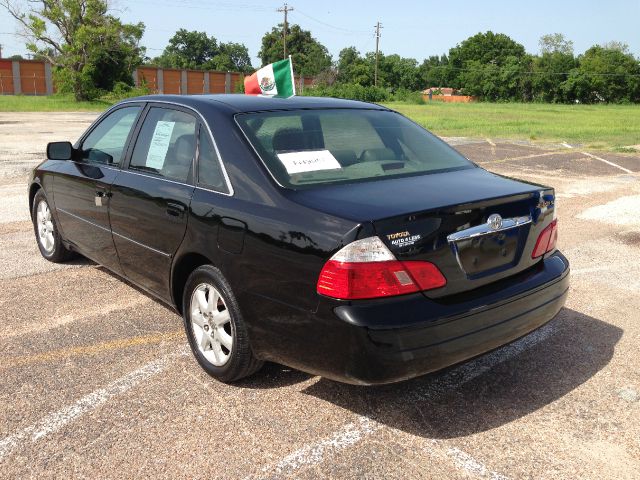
(333,236)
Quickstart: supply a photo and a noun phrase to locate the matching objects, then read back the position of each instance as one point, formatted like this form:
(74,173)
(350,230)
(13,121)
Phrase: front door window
(105,144)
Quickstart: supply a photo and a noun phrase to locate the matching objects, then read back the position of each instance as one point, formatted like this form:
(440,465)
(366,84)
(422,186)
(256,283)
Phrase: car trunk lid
(442,218)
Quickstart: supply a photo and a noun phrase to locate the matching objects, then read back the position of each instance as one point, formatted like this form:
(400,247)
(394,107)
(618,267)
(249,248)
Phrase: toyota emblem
(494,221)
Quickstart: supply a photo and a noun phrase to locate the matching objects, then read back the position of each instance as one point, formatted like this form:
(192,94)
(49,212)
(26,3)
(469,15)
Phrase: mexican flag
(276,79)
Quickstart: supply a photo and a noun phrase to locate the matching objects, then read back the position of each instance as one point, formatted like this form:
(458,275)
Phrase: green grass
(611,127)
(54,103)
(593,126)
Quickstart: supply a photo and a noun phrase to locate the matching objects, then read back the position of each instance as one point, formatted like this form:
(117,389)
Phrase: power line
(199,6)
(335,27)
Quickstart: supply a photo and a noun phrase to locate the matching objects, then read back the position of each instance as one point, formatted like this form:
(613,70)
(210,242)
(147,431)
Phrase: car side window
(105,144)
(166,144)
(209,170)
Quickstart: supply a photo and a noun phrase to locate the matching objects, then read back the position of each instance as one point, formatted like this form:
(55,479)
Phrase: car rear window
(306,148)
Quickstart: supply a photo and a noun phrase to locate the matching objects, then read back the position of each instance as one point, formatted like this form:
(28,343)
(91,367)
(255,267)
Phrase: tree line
(94,51)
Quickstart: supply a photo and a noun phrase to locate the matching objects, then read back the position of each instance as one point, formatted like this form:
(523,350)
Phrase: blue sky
(411,28)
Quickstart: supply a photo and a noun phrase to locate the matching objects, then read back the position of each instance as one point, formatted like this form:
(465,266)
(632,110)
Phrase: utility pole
(375,75)
(286,9)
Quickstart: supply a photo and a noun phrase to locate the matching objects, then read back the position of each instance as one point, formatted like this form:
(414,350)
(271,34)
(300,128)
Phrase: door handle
(175,209)
(100,194)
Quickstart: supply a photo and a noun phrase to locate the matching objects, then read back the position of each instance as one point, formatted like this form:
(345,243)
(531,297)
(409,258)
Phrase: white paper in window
(159,144)
(309,161)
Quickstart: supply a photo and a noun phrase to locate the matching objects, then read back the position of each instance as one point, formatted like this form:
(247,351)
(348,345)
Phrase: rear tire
(46,230)
(215,328)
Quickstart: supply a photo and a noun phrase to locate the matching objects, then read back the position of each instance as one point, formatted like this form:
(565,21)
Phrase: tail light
(546,240)
(367,269)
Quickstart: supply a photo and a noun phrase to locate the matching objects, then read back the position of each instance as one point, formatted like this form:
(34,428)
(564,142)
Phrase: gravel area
(97,382)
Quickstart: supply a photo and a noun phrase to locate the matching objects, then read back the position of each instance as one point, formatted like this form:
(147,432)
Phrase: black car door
(81,188)
(150,198)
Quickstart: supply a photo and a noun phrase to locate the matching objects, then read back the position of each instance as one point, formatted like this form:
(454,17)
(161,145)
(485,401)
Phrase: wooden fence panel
(172,81)
(148,76)
(6,78)
(217,82)
(236,78)
(195,82)
(32,78)
(35,76)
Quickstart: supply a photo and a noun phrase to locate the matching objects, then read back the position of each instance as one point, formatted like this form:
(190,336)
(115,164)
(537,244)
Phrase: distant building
(444,91)
(446,95)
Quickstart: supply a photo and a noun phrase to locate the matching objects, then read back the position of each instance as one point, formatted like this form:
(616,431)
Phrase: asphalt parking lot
(96,380)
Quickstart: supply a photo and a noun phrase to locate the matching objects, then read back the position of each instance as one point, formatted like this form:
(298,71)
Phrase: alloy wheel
(45,227)
(211,324)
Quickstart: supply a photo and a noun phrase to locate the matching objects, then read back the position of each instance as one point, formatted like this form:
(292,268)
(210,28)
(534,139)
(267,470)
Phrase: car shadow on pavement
(273,375)
(445,405)
(80,261)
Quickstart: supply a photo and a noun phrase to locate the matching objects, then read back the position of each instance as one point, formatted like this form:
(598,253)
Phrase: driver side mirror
(59,151)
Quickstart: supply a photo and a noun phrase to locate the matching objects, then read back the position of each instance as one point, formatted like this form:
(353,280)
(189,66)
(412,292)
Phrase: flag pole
(293,79)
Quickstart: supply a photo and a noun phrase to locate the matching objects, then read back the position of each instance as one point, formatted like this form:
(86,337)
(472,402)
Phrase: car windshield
(306,148)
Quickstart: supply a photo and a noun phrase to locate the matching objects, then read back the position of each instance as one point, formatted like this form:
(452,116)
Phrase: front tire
(215,328)
(46,230)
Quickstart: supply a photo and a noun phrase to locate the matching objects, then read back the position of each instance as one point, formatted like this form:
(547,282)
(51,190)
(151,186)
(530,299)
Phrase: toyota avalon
(337,237)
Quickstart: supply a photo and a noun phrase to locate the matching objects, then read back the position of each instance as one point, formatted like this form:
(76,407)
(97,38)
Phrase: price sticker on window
(159,144)
(309,161)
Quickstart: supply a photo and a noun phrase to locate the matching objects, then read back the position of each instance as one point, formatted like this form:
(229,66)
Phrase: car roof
(240,103)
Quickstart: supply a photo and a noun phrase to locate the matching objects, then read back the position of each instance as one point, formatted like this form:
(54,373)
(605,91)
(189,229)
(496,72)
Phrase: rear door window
(166,144)
(210,174)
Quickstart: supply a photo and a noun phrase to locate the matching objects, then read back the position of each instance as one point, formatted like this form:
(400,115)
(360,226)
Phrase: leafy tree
(491,65)
(309,56)
(487,50)
(399,72)
(90,48)
(394,72)
(233,57)
(434,72)
(188,50)
(555,43)
(352,68)
(550,71)
(605,75)
(615,45)
(197,51)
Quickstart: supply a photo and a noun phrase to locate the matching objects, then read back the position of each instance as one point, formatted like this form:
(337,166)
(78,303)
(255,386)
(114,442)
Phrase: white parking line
(607,162)
(470,465)
(314,453)
(56,420)
(566,145)
(353,433)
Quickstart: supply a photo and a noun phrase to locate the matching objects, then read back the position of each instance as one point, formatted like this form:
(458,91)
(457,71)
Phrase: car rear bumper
(385,341)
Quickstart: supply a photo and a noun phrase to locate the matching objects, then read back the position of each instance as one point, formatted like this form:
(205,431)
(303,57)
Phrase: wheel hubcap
(45,227)
(211,324)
